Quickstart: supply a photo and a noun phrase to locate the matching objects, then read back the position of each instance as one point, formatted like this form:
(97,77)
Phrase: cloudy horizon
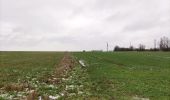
(73,25)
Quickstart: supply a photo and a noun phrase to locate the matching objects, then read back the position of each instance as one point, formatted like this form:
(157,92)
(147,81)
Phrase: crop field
(85,75)
(24,67)
(16,66)
(129,75)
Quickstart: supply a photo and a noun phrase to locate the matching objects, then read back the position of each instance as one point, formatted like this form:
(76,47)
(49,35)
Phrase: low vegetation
(129,75)
(85,75)
(21,72)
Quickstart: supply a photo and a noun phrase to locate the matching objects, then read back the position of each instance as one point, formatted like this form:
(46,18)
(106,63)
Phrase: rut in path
(61,69)
(65,65)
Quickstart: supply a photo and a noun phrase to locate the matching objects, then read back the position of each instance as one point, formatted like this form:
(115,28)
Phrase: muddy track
(65,65)
(61,69)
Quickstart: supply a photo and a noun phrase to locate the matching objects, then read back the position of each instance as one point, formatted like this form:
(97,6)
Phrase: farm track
(106,76)
(61,71)
(66,64)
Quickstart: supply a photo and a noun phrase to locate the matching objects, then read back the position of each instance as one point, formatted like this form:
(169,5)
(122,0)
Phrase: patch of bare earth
(65,65)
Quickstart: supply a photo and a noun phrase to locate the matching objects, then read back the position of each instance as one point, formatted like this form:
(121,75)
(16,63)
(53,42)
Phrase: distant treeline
(163,45)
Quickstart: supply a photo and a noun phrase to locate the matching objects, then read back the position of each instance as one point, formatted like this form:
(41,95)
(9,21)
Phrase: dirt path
(61,71)
(66,64)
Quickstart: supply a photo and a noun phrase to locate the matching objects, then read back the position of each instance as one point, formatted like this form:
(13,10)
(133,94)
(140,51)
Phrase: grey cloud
(144,24)
(81,24)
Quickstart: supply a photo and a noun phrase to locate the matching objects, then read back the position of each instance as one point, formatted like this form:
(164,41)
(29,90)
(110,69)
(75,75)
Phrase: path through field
(85,76)
(66,80)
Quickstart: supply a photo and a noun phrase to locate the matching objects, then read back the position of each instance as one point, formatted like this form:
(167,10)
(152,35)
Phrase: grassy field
(107,75)
(129,75)
(24,67)
(16,66)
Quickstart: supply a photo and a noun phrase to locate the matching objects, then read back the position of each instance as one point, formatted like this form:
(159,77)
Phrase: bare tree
(164,43)
(116,48)
(131,48)
(107,47)
(155,44)
(141,47)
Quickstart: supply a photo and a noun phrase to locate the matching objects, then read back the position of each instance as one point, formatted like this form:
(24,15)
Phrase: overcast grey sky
(81,24)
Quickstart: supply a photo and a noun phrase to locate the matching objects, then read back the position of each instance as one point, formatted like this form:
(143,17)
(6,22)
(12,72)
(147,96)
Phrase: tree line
(163,45)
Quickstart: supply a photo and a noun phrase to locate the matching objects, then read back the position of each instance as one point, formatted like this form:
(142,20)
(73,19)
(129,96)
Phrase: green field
(25,67)
(16,66)
(107,75)
(124,75)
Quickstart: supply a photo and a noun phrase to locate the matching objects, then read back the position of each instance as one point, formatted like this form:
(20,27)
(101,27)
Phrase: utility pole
(155,44)
(107,47)
(130,44)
